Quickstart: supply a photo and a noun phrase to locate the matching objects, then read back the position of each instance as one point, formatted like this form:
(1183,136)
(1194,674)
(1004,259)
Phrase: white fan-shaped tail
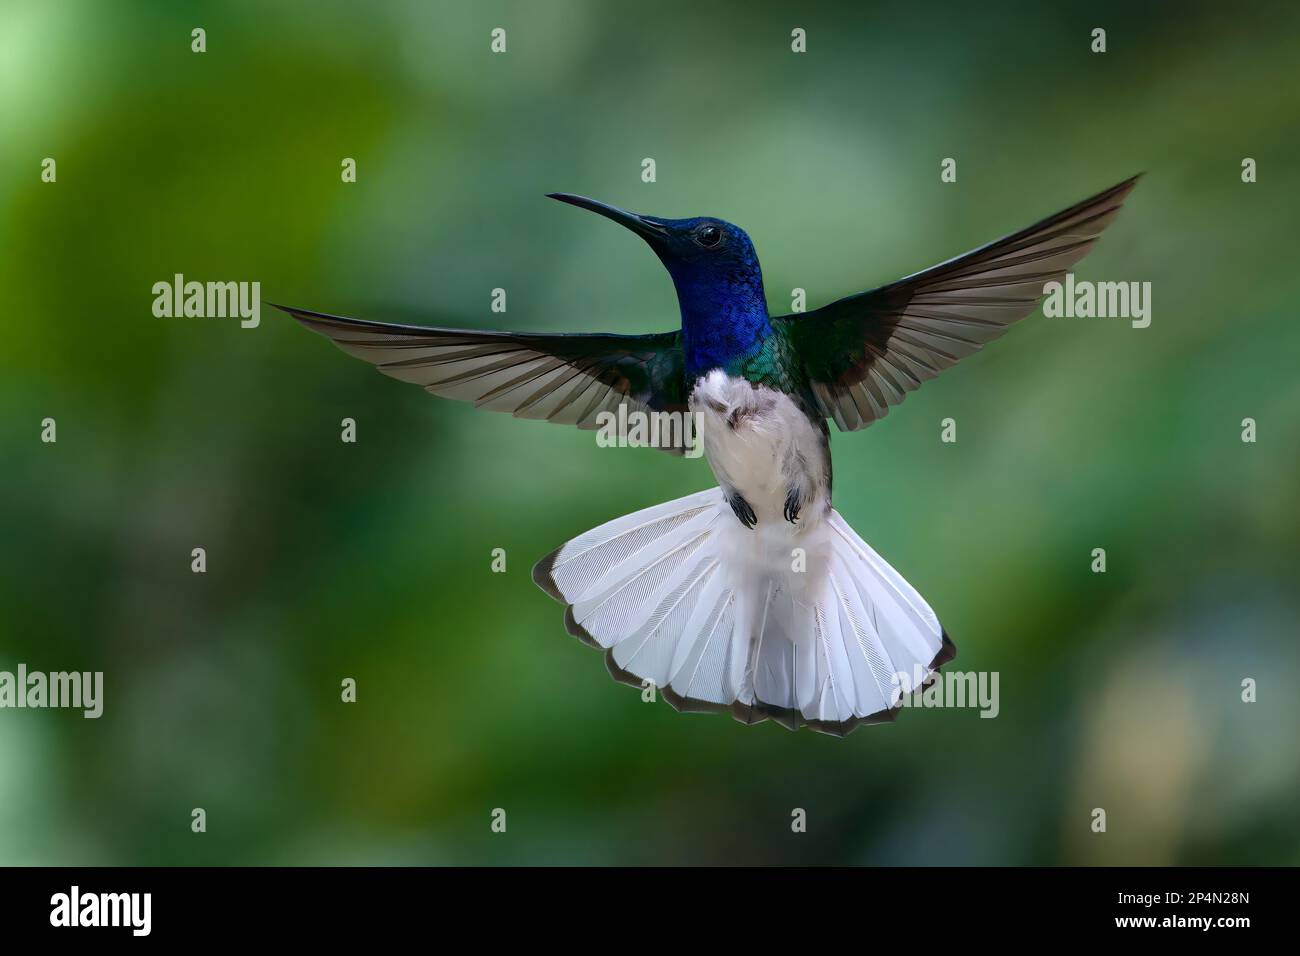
(805,625)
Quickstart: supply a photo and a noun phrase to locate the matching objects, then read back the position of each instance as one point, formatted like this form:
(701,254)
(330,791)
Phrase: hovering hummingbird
(755,596)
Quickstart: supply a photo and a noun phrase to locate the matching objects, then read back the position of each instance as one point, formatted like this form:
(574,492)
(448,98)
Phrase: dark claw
(792,505)
(743,511)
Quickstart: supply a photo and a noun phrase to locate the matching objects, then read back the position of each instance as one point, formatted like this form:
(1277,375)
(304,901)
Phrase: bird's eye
(709,236)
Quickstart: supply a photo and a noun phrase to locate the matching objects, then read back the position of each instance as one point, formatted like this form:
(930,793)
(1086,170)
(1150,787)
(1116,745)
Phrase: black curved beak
(643,226)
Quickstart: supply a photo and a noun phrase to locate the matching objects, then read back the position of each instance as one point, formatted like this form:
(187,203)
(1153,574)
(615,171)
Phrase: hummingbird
(754,597)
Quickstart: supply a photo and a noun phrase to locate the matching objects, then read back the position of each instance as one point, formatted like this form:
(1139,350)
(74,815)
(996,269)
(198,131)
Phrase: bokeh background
(372,561)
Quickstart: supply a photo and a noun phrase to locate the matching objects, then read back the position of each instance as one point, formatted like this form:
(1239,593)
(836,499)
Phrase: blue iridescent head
(717,276)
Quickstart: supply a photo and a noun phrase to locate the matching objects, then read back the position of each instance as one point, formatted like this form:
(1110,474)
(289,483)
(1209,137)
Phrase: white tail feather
(805,625)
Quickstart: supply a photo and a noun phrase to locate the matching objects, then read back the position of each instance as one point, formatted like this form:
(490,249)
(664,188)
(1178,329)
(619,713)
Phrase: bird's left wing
(558,377)
(865,352)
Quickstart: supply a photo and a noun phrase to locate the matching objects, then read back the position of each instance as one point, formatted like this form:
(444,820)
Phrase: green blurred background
(372,560)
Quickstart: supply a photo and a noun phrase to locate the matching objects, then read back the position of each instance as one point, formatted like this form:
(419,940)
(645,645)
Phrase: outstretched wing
(567,378)
(865,352)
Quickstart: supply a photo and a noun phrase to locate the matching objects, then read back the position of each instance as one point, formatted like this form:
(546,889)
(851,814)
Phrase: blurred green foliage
(372,560)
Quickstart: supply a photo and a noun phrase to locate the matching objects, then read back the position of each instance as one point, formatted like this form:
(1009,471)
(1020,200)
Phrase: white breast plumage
(762,446)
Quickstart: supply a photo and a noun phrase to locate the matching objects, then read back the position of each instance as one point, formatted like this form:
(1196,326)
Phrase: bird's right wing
(865,352)
(566,378)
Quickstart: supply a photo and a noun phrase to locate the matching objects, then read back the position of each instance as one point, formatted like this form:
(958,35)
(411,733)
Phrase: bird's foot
(744,513)
(793,502)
